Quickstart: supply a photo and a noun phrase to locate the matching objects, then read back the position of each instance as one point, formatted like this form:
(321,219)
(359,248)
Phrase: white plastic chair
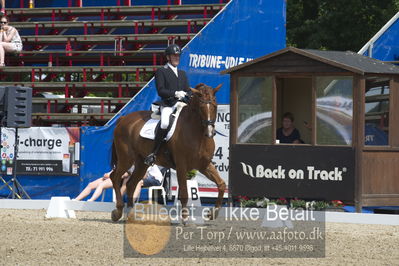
(152,189)
(157,188)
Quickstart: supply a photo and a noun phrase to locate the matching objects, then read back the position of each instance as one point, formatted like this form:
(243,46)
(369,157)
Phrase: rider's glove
(180,94)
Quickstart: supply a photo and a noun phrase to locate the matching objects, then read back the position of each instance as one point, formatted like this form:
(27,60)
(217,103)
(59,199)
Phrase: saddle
(149,129)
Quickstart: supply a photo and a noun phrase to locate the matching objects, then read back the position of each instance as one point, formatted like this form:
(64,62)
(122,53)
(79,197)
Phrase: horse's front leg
(211,173)
(116,177)
(183,194)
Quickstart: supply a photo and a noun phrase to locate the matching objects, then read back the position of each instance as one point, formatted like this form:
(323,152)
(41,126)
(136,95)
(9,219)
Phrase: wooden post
(233,109)
(393,112)
(314,110)
(233,128)
(274,109)
(359,88)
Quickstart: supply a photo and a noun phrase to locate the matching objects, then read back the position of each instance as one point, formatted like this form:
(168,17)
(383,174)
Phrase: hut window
(254,110)
(376,111)
(334,110)
(294,102)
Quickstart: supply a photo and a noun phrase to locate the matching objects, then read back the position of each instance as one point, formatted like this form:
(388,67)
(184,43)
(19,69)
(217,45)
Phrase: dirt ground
(28,238)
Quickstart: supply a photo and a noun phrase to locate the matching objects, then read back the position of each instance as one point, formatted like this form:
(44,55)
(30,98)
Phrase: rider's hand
(180,94)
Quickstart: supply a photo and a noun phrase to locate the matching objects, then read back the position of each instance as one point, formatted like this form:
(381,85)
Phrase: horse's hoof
(116,215)
(130,215)
(184,220)
(185,216)
(213,214)
(216,213)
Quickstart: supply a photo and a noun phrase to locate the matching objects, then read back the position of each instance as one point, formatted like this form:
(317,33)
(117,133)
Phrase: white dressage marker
(57,208)
(194,198)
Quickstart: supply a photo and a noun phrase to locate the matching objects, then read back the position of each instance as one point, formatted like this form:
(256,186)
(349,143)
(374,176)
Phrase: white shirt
(152,171)
(155,172)
(130,170)
(173,68)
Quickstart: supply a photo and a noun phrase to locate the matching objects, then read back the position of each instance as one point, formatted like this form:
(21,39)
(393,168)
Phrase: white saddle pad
(148,130)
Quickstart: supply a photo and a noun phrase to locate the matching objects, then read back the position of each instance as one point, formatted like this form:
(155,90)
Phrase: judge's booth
(345,107)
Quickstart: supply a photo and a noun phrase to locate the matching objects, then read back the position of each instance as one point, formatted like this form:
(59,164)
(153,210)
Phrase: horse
(191,147)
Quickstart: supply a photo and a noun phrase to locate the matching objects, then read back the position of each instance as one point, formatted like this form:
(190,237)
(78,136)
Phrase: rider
(172,85)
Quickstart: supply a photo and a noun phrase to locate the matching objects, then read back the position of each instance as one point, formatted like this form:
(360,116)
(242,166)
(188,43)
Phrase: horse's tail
(114,157)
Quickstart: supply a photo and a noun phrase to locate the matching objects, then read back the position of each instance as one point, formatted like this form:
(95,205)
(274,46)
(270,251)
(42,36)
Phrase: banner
(306,172)
(41,151)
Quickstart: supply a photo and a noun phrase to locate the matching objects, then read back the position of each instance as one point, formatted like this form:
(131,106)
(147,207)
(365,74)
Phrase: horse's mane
(199,86)
(201,93)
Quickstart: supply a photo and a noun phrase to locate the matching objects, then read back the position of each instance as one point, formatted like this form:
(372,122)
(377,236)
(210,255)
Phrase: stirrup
(150,159)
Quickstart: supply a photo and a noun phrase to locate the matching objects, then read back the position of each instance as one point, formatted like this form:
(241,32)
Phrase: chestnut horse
(191,147)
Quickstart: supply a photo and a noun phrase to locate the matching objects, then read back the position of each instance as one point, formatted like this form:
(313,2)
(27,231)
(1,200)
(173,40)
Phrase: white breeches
(166,111)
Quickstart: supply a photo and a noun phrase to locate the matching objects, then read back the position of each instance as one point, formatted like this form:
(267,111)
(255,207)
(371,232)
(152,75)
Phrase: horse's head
(204,98)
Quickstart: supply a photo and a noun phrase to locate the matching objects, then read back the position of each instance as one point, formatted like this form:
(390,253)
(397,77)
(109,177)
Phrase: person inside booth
(288,133)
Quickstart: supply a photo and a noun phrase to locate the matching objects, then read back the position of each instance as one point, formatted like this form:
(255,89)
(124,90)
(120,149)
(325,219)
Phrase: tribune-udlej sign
(309,172)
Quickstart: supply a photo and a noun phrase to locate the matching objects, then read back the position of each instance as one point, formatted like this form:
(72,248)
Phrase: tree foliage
(336,24)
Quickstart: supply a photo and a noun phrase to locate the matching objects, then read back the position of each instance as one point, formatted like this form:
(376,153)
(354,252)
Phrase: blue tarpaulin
(246,29)
(384,45)
(231,38)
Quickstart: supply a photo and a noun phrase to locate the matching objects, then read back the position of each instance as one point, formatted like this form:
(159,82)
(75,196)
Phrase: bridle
(210,131)
(204,121)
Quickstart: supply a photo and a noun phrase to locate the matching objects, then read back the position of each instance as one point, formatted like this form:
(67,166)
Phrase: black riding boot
(159,138)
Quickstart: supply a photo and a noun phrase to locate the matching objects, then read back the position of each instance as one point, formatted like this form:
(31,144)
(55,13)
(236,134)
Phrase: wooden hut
(345,107)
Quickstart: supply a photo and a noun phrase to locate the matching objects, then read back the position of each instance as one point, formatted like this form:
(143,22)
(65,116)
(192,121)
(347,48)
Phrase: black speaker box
(15,106)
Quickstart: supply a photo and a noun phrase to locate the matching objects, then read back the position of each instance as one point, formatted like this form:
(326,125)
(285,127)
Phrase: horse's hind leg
(139,171)
(116,177)
(211,173)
